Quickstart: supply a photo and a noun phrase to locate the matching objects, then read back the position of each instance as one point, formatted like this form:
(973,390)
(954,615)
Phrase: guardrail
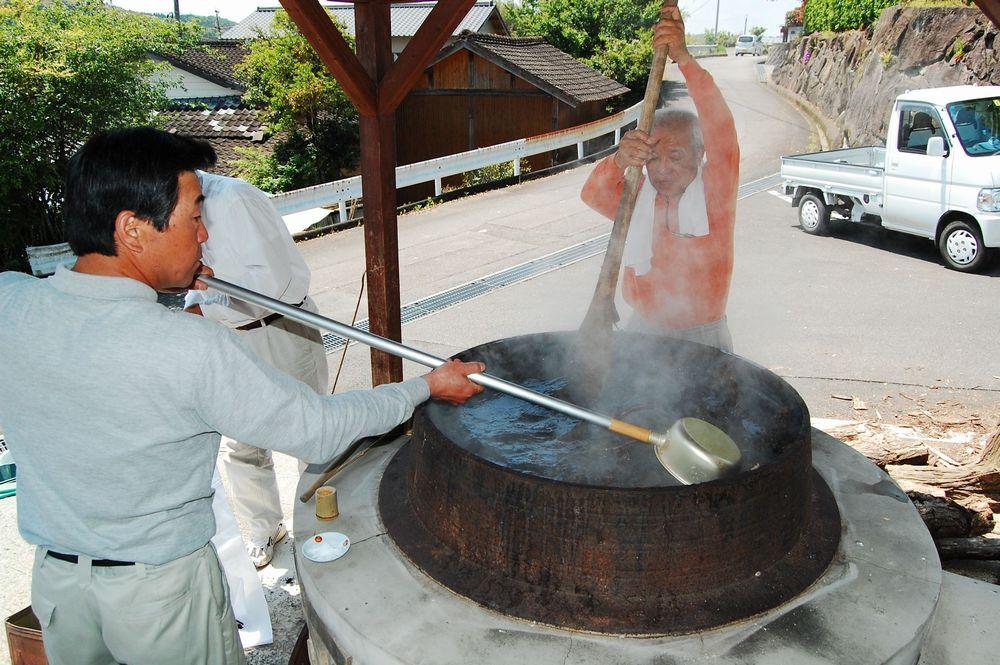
(340,192)
(701,50)
(43,260)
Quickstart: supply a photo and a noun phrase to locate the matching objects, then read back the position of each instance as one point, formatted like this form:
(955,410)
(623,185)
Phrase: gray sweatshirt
(113,407)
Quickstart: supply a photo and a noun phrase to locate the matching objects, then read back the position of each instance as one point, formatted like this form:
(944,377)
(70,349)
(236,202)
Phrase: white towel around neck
(692,215)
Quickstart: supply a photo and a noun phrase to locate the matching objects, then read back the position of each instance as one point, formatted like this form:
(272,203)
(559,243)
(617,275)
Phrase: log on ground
(945,518)
(969,548)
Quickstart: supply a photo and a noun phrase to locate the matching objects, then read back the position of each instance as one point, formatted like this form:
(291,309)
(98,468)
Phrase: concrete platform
(875,604)
(964,628)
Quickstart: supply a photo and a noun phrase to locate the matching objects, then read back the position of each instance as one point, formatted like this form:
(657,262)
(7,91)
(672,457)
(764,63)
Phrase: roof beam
(992,10)
(334,51)
(430,38)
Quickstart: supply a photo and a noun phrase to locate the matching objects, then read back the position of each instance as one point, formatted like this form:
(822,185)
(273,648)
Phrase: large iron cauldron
(531,514)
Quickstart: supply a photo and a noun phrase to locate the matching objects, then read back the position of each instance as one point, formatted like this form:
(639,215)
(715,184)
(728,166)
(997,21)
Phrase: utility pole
(745,18)
(717,20)
(218,25)
(177,10)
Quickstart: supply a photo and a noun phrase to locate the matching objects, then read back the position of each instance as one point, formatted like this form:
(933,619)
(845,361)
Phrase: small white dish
(326,546)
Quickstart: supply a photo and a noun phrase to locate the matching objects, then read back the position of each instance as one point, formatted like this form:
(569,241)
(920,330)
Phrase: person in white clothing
(249,245)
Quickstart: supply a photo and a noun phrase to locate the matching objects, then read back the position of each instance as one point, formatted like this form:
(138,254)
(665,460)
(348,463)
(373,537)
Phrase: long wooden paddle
(596,329)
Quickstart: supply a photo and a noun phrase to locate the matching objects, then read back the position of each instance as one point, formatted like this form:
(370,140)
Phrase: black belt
(259,323)
(266,321)
(72,558)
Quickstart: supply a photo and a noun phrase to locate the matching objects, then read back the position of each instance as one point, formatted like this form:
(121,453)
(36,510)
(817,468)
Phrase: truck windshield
(977,123)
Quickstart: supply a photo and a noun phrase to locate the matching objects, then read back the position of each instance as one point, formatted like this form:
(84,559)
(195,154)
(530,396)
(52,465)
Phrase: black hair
(126,169)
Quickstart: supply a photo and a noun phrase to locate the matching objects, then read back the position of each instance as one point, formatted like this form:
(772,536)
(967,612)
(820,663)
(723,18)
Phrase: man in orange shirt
(678,257)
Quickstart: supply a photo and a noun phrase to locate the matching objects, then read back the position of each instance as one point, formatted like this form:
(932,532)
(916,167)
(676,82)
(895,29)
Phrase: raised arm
(717,126)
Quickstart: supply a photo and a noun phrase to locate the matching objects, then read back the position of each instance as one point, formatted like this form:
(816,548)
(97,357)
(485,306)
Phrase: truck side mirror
(935,147)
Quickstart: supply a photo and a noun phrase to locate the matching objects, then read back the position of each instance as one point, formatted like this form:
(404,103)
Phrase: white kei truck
(937,177)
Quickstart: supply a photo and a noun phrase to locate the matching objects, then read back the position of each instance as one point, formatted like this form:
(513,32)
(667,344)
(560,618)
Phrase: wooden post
(378,187)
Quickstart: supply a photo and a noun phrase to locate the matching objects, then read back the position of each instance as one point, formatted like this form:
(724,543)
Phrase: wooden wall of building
(466,102)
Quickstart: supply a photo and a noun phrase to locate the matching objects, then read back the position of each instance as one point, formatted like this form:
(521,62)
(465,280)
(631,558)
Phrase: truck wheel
(961,247)
(814,216)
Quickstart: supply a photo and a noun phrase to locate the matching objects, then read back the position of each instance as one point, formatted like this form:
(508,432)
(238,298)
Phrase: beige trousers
(175,613)
(296,350)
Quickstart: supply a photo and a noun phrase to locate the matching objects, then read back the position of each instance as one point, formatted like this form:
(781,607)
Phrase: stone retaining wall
(853,77)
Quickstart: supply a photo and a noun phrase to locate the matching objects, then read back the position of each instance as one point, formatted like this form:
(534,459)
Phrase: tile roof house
(206,98)
(481,89)
(536,61)
(226,124)
(203,72)
(206,92)
(405,18)
(487,89)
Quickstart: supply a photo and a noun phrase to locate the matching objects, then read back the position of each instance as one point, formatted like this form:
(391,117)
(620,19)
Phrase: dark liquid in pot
(644,387)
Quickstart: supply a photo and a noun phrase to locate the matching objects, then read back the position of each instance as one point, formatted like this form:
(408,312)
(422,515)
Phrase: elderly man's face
(676,162)
(172,258)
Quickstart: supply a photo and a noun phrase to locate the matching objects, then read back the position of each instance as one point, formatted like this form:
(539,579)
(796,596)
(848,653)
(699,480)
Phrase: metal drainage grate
(519,273)
(459,294)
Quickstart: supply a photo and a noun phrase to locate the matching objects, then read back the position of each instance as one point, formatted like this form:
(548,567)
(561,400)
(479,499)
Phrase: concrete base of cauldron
(881,601)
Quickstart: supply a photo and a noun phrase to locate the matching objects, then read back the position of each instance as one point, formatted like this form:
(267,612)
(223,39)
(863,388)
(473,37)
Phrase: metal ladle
(693,451)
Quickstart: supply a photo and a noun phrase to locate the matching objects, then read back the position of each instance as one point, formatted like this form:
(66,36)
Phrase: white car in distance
(749,44)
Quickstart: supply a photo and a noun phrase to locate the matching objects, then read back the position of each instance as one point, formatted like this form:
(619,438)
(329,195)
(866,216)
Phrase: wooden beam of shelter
(333,50)
(373,37)
(377,86)
(992,10)
(419,51)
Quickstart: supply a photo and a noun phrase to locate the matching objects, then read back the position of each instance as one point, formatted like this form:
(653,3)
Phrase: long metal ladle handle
(408,353)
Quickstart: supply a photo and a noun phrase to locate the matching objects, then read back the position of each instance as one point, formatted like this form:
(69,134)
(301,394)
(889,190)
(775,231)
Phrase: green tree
(720,38)
(758,31)
(316,123)
(612,36)
(211,26)
(67,70)
(796,16)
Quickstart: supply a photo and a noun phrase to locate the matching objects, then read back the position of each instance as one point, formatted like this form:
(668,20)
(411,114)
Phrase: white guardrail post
(338,193)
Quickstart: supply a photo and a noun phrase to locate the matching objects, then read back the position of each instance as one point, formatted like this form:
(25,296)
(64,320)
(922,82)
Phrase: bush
(626,61)
(612,36)
(721,38)
(319,137)
(492,173)
(840,15)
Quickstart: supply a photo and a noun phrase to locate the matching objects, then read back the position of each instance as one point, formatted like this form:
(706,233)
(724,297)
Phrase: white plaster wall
(184,84)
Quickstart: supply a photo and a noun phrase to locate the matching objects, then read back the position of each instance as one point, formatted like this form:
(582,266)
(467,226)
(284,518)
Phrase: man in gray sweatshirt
(113,407)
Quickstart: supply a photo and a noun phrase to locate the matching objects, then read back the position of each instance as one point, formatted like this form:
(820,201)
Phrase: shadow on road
(897,243)
(670,91)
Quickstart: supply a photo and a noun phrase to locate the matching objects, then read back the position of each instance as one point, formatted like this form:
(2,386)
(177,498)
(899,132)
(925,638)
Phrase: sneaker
(261,555)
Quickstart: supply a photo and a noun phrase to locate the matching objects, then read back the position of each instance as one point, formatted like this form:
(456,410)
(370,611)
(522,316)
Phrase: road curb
(821,125)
